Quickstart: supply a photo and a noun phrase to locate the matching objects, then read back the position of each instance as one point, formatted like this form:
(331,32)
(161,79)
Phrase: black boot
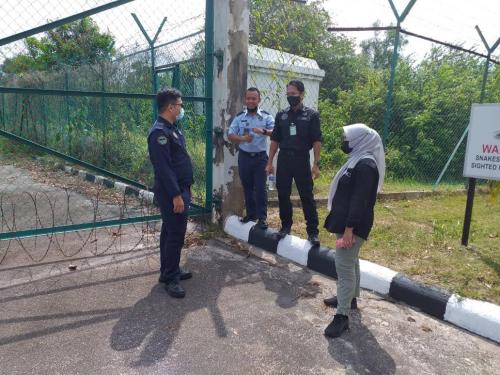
(284,231)
(333,302)
(246,219)
(313,239)
(175,289)
(339,324)
(184,275)
(262,224)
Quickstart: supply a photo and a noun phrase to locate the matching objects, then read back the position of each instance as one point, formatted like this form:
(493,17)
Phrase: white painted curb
(120,186)
(295,249)
(375,277)
(480,317)
(235,228)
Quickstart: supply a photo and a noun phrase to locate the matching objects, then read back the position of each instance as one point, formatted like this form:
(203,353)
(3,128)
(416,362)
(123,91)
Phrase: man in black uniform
(172,187)
(296,131)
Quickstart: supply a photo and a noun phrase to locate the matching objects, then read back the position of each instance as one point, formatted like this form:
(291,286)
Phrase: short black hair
(255,89)
(167,96)
(298,84)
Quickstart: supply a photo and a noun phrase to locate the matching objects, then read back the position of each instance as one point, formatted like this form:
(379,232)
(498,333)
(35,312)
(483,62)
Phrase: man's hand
(269,169)
(315,171)
(246,138)
(178,204)
(348,238)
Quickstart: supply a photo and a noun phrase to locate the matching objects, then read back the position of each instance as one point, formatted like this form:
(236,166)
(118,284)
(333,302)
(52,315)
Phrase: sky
(452,21)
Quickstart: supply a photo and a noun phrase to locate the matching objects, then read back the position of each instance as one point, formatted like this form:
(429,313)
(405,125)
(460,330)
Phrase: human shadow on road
(359,351)
(154,321)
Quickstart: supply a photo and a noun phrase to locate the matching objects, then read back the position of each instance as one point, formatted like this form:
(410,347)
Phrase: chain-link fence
(86,88)
(422,116)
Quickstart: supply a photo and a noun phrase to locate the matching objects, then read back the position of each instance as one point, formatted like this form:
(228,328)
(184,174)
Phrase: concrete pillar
(231,23)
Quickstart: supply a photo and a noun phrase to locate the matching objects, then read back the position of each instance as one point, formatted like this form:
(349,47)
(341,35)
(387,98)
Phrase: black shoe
(184,275)
(284,231)
(175,289)
(262,224)
(339,324)
(333,302)
(313,239)
(246,219)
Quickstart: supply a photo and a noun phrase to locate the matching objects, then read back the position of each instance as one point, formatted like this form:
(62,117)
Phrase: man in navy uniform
(250,129)
(173,172)
(296,131)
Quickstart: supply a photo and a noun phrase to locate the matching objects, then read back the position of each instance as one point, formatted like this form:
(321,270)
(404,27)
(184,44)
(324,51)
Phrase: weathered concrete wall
(230,80)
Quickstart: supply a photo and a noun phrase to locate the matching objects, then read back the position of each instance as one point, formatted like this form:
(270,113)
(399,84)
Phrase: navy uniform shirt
(171,162)
(297,131)
(245,122)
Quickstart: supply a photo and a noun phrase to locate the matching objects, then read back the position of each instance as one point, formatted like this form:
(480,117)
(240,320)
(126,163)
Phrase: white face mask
(180,116)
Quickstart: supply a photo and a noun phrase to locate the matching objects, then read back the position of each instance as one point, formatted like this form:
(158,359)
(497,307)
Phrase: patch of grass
(421,238)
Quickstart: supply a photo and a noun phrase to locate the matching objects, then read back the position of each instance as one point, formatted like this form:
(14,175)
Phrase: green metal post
(176,77)
(155,80)
(209,71)
(394,61)
(44,118)
(103,121)
(151,43)
(3,111)
(66,110)
(485,78)
(388,108)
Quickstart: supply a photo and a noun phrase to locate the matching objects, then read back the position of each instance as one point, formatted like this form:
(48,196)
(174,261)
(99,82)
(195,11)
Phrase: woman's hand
(348,238)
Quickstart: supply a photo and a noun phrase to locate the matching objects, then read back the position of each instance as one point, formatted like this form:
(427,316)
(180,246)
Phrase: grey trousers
(347,266)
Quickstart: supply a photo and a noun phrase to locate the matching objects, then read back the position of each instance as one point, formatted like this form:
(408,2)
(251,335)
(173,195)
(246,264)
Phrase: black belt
(252,154)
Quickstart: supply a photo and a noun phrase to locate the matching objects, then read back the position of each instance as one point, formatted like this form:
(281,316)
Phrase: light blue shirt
(244,120)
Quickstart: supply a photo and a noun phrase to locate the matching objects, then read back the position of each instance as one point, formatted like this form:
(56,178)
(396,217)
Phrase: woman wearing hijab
(353,193)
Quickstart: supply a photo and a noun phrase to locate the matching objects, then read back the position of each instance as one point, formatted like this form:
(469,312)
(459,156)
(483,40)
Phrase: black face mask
(293,100)
(345,147)
(252,110)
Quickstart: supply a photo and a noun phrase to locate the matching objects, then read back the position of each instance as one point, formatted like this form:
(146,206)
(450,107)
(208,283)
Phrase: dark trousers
(173,231)
(296,166)
(252,170)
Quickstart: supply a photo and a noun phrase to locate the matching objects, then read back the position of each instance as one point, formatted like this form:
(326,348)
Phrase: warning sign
(482,156)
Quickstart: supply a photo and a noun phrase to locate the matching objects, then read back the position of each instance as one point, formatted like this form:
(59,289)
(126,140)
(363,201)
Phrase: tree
(73,44)
(379,49)
(301,29)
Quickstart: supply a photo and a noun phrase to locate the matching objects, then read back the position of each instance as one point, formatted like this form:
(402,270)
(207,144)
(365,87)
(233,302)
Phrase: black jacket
(353,202)
(171,162)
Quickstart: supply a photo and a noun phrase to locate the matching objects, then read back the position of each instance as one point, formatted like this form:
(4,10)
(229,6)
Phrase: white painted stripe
(147,196)
(479,317)
(375,277)
(120,186)
(68,169)
(235,228)
(99,180)
(82,173)
(295,249)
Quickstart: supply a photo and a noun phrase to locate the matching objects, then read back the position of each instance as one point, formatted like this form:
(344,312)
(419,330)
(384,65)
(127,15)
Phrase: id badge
(293,129)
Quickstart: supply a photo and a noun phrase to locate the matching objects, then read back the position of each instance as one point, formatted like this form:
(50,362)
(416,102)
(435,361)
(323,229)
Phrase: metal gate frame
(195,210)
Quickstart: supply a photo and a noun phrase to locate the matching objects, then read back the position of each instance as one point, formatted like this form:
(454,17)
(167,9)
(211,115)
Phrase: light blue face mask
(180,116)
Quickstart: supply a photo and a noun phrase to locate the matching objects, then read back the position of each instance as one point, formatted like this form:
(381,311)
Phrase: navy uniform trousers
(293,165)
(252,170)
(173,231)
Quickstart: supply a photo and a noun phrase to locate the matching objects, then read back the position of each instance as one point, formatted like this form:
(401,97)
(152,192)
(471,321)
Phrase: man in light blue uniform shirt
(250,128)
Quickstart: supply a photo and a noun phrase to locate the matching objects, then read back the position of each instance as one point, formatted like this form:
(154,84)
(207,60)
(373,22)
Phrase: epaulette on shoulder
(267,113)
(240,113)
